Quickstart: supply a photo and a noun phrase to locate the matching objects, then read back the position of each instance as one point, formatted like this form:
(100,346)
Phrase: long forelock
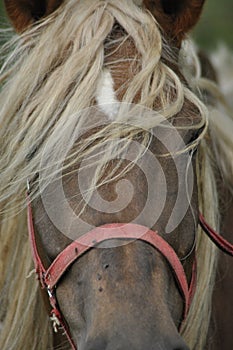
(66,74)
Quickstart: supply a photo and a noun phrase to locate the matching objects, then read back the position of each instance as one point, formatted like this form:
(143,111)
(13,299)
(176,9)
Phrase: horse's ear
(23,13)
(176,17)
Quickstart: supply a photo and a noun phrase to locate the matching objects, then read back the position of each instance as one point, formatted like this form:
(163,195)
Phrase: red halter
(50,277)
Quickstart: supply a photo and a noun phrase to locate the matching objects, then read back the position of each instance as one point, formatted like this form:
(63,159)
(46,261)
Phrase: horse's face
(123,296)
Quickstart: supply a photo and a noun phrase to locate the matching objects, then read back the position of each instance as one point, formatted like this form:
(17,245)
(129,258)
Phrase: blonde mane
(44,87)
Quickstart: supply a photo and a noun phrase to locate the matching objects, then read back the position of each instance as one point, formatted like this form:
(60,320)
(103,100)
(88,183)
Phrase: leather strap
(56,315)
(220,242)
(39,267)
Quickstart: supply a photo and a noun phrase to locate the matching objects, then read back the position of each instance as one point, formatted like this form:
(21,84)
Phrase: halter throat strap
(218,240)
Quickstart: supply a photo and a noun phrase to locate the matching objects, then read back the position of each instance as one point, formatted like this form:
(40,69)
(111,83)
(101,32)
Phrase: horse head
(127,122)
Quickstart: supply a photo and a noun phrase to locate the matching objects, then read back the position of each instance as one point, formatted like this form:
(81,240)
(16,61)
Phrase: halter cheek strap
(56,317)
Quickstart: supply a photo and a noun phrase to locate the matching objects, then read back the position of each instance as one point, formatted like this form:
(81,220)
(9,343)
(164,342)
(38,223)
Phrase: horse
(112,144)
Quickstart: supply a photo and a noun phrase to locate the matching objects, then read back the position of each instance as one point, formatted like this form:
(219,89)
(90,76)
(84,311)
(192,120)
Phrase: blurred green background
(216,24)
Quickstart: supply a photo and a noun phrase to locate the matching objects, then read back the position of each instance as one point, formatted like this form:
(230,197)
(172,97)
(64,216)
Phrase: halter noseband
(50,277)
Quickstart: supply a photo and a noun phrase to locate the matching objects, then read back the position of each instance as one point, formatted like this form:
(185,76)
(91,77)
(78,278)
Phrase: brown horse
(120,154)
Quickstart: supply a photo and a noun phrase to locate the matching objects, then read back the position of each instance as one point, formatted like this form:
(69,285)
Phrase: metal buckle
(55,322)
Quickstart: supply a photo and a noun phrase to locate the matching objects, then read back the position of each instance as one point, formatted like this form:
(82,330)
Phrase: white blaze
(106,96)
